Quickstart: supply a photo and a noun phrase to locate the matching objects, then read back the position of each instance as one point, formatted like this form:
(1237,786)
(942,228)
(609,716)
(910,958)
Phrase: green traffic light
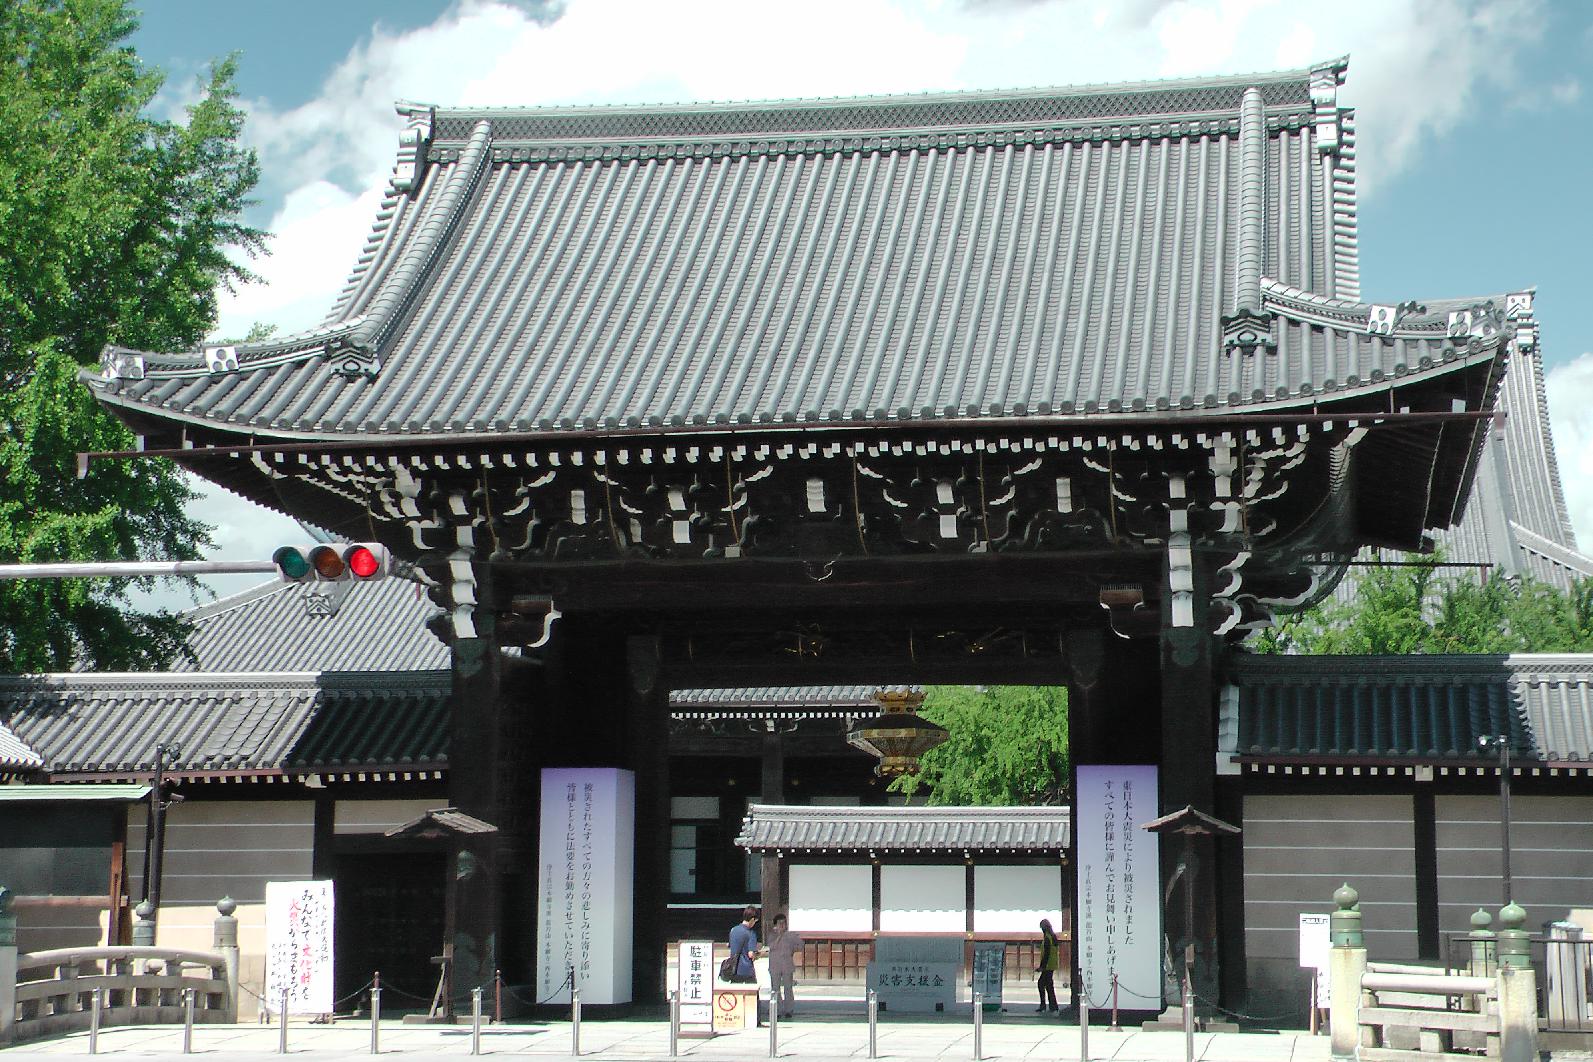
(291,563)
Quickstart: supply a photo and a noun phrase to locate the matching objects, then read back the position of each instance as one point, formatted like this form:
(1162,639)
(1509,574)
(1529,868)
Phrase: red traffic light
(362,562)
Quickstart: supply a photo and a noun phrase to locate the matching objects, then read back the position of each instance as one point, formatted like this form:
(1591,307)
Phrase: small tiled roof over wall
(1403,710)
(788,828)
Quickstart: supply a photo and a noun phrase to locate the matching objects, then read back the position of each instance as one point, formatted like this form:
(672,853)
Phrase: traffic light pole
(132,569)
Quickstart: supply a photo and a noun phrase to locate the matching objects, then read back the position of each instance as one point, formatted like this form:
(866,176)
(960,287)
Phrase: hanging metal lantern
(898,736)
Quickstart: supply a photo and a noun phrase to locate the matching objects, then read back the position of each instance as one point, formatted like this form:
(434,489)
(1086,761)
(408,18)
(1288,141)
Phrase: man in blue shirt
(744,945)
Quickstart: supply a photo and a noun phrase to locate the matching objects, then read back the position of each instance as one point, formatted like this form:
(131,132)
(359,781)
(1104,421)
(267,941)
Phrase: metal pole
(1114,1027)
(475,1020)
(979,1026)
(1189,1021)
(873,1024)
(376,1014)
(1084,1022)
(774,1025)
(282,1023)
(188,1021)
(94,1021)
(124,569)
(674,1024)
(497,997)
(575,1021)
(1504,811)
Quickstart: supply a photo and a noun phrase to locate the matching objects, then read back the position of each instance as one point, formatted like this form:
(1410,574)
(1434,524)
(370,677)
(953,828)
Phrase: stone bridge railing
(50,992)
(1381,1012)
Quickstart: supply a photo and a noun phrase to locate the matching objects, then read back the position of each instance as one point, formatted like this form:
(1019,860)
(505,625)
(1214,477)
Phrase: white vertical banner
(585,878)
(299,946)
(1119,873)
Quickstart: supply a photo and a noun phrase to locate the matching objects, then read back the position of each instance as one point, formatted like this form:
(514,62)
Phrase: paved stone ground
(1006,1038)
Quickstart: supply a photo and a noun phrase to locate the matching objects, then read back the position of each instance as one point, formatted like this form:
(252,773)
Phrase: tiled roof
(1001,255)
(379,626)
(786,828)
(1409,708)
(15,756)
(1516,518)
(764,701)
(109,724)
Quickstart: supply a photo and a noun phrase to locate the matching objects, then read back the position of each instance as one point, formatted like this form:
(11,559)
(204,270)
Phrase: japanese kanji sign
(1120,918)
(299,946)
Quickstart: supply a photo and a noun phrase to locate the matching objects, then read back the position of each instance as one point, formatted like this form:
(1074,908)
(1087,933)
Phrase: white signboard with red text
(1120,916)
(586,859)
(299,946)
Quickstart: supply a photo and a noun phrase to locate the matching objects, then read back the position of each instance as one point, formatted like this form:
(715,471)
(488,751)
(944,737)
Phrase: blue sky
(1472,115)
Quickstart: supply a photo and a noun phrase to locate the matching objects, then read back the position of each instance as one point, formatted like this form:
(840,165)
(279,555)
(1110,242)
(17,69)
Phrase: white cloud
(1570,394)
(1417,66)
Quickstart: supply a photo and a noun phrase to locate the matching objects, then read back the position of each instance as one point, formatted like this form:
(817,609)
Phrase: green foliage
(1425,608)
(115,227)
(1008,745)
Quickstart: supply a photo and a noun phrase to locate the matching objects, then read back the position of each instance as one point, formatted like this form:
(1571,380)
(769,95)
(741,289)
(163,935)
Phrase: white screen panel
(831,899)
(1014,899)
(914,899)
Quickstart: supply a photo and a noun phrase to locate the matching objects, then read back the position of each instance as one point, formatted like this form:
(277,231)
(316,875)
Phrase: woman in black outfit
(1047,967)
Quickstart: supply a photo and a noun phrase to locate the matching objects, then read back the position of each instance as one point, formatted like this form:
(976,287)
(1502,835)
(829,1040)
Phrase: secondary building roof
(262,725)
(379,626)
(794,829)
(15,756)
(886,259)
(1405,710)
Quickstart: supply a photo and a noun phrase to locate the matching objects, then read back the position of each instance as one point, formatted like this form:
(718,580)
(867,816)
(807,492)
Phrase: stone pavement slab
(648,1041)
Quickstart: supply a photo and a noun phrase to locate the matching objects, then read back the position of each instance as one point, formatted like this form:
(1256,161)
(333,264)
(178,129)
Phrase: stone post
(8,966)
(226,942)
(1346,966)
(1518,1011)
(1484,945)
(144,925)
(1515,945)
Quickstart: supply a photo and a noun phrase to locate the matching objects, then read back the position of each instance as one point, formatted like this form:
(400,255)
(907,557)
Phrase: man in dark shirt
(744,945)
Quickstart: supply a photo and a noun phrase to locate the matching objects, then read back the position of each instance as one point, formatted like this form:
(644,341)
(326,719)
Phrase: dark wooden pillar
(647,755)
(772,791)
(1188,771)
(475,775)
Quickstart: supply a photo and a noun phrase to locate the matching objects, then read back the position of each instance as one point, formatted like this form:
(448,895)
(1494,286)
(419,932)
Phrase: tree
(1421,607)
(1007,745)
(115,227)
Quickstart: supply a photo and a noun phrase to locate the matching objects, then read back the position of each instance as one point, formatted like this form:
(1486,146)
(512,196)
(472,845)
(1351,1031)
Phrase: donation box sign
(1120,918)
(299,946)
(586,862)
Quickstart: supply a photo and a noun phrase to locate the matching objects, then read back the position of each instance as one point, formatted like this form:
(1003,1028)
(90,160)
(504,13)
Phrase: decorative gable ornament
(121,365)
(352,361)
(412,144)
(1248,332)
(1325,82)
(221,359)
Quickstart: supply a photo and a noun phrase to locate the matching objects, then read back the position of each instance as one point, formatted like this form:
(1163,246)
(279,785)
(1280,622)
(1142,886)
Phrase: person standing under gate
(744,946)
(1047,968)
(784,945)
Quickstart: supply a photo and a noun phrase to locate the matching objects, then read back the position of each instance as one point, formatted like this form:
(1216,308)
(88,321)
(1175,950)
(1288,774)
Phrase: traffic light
(331,562)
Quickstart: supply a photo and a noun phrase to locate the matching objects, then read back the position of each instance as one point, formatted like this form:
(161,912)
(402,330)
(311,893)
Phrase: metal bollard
(1189,1021)
(774,1026)
(674,1024)
(376,1015)
(1084,1026)
(873,1023)
(575,1021)
(282,1021)
(475,1020)
(1114,1027)
(979,1026)
(94,1021)
(188,1021)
